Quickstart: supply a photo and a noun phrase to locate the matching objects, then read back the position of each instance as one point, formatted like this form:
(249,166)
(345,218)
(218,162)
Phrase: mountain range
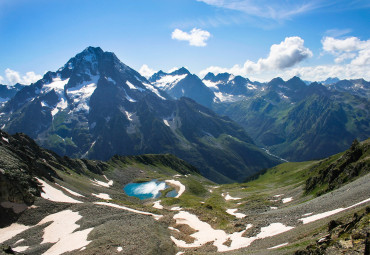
(292,119)
(8,92)
(95,107)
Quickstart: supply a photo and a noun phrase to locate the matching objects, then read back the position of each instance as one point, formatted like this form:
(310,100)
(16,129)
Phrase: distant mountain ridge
(301,122)
(181,83)
(95,106)
(7,92)
(229,88)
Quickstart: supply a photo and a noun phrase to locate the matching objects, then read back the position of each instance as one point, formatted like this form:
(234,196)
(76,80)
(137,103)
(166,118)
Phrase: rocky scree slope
(270,215)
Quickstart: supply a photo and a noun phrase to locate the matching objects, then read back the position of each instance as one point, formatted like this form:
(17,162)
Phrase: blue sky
(258,39)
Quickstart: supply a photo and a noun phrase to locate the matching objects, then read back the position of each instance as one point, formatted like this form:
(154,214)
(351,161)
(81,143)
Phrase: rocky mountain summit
(181,83)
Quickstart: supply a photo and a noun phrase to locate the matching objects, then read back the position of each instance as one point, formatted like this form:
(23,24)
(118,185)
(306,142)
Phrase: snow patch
(129,115)
(287,200)
(53,194)
(130,99)
(167,82)
(61,232)
(43,104)
(278,246)
(211,85)
(102,196)
(20,240)
(205,233)
(20,248)
(180,186)
(132,86)
(155,216)
(234,213)
(174,229)
(61,105)
(70,191)
(5,139)
(228,197)
(57,84)
(81,93)
(251,86)
(104,184)
(157,205)
(307,214)
(329,213)
(111,80)
(11,231)
(224,97)
(154,90)
(91,146)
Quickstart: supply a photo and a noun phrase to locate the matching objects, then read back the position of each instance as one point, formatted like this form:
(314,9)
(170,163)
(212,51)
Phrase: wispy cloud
(337,32)
(279,10)
(14,77)
(197,37)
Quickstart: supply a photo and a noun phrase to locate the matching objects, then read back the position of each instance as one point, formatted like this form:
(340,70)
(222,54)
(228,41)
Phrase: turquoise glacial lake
(145,190)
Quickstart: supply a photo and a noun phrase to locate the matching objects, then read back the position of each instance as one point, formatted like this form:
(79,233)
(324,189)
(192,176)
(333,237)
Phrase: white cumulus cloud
(1,79)
(322,72)
(196,37)
(288,53)
(146,71)
(14,77)
(351,48)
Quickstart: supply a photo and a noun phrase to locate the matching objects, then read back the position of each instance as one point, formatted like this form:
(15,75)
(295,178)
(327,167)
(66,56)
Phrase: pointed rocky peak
(92,61)
(240,79)
(209,76)
(316,85)
(296,83)
(316,88)
(276,82)
(180,71)
(157,76)
(330,80)
(93,50)
(224,77)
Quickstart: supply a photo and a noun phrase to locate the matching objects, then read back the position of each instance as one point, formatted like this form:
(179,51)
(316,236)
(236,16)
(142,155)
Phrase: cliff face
(335,172)
(21,159)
